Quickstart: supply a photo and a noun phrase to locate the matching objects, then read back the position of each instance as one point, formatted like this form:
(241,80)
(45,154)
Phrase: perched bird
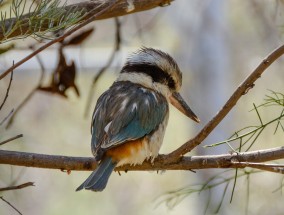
(130,118)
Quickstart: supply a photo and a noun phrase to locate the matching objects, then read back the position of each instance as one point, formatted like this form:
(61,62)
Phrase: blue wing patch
(125,112)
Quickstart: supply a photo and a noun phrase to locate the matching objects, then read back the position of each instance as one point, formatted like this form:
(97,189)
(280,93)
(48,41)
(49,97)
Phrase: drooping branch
(240,160)
(122,8)
(12,206)
(240,91)
(7,91)
(106,66)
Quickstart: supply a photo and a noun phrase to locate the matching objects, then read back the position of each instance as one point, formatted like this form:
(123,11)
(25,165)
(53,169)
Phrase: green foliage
(173,198)
(248,136)
(42,18)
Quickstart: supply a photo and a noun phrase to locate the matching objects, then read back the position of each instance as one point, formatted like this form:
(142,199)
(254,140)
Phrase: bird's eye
(171,84)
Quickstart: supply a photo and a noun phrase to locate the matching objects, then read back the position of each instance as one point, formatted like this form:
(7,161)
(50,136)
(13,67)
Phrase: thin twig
(17,187)
(4,200)
(10,122)
(277,168)
(109,4)
(7,117)
(30,95)
(11,139)
(240,91)
(42,68)
(106,66)
(7,91)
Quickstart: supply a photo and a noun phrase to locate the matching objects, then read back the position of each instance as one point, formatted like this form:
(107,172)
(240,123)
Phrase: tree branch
(235,160)
(106,66)
(17,187)
(240,91)
(12,206)
(120,9)
(7,91)
(11,139)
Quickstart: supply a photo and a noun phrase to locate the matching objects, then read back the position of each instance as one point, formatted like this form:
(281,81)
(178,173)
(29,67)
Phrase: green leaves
(42,18)
(226,179)
(248,136)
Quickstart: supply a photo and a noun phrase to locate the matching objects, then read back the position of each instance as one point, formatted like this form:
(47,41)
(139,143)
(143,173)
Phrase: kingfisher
(130,118)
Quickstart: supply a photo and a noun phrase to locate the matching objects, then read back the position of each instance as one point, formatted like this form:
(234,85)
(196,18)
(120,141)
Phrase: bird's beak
(177,101)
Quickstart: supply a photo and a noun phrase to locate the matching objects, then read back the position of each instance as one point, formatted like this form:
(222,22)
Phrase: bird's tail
(97,181)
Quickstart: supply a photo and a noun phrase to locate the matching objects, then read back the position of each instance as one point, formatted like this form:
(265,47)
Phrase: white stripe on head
(157,58)
(146,81)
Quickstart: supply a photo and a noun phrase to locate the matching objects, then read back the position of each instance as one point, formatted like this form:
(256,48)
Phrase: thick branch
(240,91)
(120,9)
(185,163)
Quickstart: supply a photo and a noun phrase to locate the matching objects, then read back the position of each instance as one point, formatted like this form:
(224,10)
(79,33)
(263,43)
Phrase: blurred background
(217,44)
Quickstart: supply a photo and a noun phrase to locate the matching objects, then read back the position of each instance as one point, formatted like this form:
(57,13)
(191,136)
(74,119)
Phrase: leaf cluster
(43,17)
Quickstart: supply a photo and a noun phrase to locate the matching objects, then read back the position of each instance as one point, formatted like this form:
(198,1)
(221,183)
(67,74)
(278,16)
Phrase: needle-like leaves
(44,17)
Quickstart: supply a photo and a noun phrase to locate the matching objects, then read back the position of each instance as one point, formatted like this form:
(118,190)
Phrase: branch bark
(120,9)
(240,160)
(17,187)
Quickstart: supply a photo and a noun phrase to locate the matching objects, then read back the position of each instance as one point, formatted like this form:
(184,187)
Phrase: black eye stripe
(155,72)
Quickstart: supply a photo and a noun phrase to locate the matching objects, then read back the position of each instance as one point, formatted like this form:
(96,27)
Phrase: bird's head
(158,71)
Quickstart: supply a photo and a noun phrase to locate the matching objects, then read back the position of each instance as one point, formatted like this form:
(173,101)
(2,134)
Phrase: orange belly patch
(132,152)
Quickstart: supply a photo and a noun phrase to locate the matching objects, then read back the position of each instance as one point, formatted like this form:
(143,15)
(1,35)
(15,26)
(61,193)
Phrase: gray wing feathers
(126,111)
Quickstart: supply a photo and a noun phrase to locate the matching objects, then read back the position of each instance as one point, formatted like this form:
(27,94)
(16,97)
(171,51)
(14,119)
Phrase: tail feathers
(97,181)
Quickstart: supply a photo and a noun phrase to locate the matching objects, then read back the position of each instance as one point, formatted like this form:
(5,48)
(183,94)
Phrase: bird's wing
(126,112)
